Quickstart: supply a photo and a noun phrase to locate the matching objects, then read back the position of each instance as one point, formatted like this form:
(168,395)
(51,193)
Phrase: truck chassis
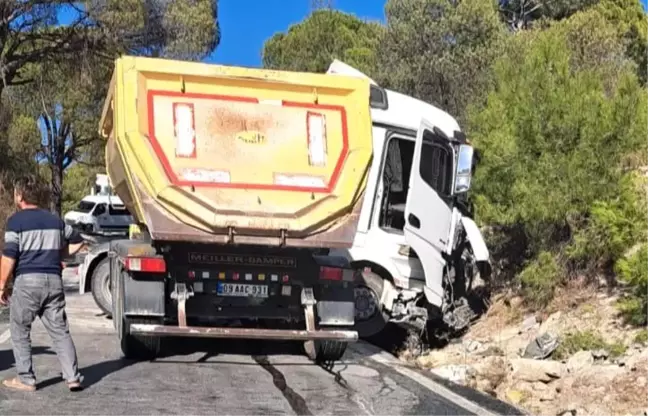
(150,302)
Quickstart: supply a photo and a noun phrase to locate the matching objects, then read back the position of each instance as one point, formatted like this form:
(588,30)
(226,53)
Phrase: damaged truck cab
(418,251)
(240,180)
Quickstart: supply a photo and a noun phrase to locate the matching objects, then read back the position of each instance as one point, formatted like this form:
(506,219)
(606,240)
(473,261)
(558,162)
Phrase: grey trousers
(41,295)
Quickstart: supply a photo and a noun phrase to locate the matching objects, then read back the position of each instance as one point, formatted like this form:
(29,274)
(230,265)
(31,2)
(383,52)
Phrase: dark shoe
(75,386)
(16,384)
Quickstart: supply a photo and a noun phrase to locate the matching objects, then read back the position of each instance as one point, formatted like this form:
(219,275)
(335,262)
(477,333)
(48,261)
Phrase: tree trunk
(56,188)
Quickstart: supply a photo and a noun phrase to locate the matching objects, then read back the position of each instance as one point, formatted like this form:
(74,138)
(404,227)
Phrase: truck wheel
(327,351)
(370,318)
(100,286)
(133,347)
(139,347)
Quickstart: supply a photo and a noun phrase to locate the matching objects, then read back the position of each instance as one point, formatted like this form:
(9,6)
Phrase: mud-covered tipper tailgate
(209,153)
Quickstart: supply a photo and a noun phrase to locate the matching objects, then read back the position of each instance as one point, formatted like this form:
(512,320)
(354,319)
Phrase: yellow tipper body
(208,153)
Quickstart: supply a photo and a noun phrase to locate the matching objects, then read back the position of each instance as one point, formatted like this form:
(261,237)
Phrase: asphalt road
(223,377)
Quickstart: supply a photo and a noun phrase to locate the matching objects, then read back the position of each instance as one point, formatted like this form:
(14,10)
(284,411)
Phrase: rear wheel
(100,286)
(323,352)
(327,351)
(370,318)
(139,347)
(132,346)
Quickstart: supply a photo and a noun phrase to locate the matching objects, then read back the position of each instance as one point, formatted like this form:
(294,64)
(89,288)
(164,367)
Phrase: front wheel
(370,317)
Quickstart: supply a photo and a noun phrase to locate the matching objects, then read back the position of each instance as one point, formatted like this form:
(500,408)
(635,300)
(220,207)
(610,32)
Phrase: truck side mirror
(464,169)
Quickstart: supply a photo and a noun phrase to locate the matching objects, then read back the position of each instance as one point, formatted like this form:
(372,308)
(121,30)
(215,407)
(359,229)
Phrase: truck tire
(139,348)
(328,351)
(369,285)
(133,347)
(100,286)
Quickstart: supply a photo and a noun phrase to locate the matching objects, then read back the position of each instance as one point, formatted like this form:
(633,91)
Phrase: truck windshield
(85,206)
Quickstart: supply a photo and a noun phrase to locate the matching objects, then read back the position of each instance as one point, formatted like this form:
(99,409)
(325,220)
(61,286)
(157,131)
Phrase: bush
(586,341)
(540,278)
(613,226)
(563,124)
(633,271)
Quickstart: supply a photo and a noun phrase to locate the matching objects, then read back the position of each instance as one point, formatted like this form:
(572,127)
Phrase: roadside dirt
(600,365)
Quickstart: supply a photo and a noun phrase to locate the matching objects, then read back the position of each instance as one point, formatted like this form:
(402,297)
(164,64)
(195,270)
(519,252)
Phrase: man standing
(33,248)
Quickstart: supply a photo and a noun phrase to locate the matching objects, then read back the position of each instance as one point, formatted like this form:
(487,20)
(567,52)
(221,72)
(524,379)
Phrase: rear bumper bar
(243,333)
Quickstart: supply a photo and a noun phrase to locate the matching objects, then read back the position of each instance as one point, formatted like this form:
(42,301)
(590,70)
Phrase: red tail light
(331,273)
(145,264)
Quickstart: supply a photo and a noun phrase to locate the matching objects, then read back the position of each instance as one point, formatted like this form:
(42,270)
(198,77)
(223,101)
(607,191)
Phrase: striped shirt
(35,238)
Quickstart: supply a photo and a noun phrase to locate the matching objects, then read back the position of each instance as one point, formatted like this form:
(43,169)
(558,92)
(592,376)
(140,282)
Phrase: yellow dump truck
(240,181)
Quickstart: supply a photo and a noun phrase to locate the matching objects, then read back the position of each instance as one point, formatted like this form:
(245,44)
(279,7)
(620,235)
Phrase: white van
(100,215)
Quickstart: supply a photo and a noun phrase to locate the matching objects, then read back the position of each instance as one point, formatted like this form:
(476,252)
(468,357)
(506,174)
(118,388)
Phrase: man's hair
(29,188)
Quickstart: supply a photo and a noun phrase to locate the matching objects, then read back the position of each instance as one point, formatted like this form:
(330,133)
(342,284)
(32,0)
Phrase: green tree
(523,14)
(631,23)
(440,51)
(564,114)
(63,91)
(30,32)
(323,36)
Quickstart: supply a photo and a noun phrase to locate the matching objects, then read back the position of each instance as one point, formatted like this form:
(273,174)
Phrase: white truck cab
(414,237)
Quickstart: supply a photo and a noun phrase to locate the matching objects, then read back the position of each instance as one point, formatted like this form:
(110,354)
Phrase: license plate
(242,290)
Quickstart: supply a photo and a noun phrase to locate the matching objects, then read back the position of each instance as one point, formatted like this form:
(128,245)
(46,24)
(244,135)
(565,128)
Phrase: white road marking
(373,353)
(5,336)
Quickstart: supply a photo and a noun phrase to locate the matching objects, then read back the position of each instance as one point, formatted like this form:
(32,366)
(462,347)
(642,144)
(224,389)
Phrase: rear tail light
(316,130)
(331,273)
(185,134)
(336,274)
(145,264)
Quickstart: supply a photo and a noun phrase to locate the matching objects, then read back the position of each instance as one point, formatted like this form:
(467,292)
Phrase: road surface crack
(296,402)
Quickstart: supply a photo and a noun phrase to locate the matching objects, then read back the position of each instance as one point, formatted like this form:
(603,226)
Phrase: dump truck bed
(210,153)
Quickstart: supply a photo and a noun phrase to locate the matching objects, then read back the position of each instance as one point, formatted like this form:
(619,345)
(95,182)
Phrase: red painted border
(193,126)
(151,94)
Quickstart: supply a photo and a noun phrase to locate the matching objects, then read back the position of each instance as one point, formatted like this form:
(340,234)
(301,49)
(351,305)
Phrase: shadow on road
(174,347)
(7,357)
(92,374)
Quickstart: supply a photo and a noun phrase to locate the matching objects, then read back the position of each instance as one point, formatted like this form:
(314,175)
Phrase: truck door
(428,212)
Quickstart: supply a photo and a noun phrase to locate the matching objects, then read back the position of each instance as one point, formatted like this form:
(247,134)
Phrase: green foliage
(540,278)
(440,51)
(614,225)
(633,271)
(642,336)
(78,181)
(586,341)
(523,14)
(629,19)
(58,75)
(325,35)
(558,124)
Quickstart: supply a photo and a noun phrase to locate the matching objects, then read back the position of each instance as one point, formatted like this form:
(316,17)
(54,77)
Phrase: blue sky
(246,24)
